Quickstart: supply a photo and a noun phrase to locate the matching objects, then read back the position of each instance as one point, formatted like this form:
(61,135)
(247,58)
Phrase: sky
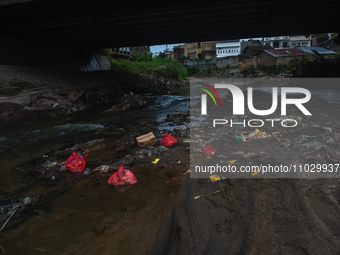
(161,48)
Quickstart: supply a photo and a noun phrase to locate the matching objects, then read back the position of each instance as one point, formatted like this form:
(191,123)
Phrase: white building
(300,40)
(278,42)
(233,47)
(228,48)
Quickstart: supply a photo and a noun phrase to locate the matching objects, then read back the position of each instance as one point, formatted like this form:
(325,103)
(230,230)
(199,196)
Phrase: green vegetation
(334,36)
(296,65)
(273,69)
(159,65)
(335,57)
(201,56)
(227,66)
(317,67)
(182,58)
(191,70)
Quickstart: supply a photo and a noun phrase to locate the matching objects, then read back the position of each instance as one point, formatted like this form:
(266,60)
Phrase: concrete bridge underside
(108,23)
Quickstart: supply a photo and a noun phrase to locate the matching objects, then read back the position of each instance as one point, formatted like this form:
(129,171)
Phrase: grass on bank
(164,67)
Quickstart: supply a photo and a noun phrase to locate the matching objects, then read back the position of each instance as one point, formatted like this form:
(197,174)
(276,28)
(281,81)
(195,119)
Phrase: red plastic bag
(76,163)
(208,150)
(168,141)
(122,177)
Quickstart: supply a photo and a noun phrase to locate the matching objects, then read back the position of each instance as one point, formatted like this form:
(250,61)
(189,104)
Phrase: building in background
(319,50)
(300,40)
(192,50)
(250,42)
(330,45)
(276,57)
(278,42)
(254,50)
(318,39)
(228,48)
(129,51)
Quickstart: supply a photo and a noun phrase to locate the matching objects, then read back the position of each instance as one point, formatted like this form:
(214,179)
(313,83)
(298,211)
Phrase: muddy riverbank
(36,93)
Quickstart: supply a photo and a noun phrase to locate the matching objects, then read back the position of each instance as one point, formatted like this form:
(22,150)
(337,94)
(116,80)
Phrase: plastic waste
(122,177)
(237,152)
(102,169)
(250,155)
(254,135)
(155,161)
(208,150)
(76,163)
(62,168)
(169,141)
(48,164)
(328,129)
(214,178)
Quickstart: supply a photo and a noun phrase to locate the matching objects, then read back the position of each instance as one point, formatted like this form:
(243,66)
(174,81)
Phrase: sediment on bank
(34,92)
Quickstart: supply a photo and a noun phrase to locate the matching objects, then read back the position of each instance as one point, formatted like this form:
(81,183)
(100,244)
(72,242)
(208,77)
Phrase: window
(267,44)
(285,44)
(304,44)
(276,44)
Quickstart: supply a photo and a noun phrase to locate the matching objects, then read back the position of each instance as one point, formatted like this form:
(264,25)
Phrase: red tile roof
(285,52)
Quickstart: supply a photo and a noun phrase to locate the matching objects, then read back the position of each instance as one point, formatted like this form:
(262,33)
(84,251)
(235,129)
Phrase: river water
(82,211)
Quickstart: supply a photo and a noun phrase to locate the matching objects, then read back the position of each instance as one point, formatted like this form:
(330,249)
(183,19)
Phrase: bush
(192,70)
(173,69)
(227,66)
(306,67)
(200,56)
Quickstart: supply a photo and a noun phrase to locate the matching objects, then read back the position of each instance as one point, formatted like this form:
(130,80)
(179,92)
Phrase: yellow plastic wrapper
(257,133)
(214,178)
(155,161)
(231,162)
(255,173)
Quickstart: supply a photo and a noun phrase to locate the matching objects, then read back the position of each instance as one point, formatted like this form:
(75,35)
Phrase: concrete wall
(203,64)
(20,52)
(217,62)
(232,61)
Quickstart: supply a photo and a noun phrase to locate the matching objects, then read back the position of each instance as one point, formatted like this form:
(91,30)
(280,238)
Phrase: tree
(334,35)
(182,58)
(162,55)
(201,56)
